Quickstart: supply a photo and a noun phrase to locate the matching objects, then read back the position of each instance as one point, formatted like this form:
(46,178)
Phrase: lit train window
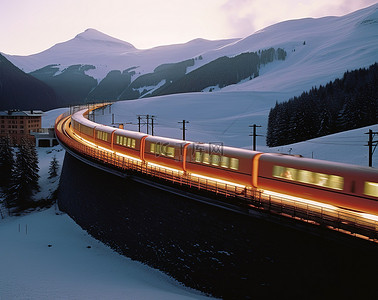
(125,141)
(206,158)
(159,149)
(330,181)
(170,151)
(335,182)
(286,173)
(371,189)
(225,162)
(306,176)
(321,179)
(215,160)
(198,157)
(234,163)
(86,130)
(102,135)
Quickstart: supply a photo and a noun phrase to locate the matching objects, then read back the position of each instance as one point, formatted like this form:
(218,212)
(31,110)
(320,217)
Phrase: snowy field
(75,265)
(224,117)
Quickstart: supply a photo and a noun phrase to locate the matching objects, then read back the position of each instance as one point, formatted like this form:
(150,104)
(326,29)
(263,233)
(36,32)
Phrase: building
(17,124)
(45,137)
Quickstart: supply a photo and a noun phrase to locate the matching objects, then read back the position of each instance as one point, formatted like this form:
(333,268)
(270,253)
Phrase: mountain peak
(91,34)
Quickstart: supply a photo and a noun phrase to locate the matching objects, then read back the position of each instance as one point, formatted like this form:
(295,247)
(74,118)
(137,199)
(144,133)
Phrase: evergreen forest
(344,104)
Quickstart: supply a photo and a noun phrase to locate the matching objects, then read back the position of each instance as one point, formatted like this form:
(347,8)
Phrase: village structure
(18,125)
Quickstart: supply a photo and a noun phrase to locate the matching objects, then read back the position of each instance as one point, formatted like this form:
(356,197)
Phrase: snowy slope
(68,269)
(332,46)
(224,117)
(107,53)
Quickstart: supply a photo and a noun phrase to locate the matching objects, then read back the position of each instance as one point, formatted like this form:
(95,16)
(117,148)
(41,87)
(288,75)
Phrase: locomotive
(342,185)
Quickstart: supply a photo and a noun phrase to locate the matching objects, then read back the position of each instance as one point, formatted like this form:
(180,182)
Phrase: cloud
(247,16)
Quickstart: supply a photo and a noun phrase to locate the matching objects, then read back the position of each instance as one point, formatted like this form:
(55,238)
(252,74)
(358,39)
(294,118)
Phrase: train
(341,185)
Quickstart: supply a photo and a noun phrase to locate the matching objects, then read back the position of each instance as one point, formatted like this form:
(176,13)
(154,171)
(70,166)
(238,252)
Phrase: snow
(150,89)
(68,269)
(225,117)
(92,47)
(333,45)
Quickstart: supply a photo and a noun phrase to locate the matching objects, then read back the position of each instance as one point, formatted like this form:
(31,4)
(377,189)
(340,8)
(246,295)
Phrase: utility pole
(138,123)
(152,125)
(370,144)
(183,128)
(147,122)
(148,118)
(254,135)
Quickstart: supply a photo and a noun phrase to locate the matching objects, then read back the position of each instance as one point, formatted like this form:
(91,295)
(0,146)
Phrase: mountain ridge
(326,46)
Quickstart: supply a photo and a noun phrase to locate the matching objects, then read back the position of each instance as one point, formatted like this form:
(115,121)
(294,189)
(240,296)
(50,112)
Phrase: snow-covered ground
(75,265)
(226,116)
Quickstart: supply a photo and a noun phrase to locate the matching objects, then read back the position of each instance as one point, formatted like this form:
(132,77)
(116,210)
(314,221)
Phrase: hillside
(94,66)
(22,91)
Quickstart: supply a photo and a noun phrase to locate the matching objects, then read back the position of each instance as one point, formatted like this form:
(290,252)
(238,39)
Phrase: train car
(341,185)
(103,136)
(83,126)
(165,152)
(220,162)
(130,143)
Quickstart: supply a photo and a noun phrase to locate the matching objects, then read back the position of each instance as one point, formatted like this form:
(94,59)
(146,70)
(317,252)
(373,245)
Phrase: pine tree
(6,162)
(54,167)
(25,176)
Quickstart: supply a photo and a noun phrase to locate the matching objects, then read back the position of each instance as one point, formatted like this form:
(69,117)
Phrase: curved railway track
(248,199)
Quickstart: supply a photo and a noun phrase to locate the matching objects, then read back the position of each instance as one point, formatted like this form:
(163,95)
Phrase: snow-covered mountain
(316,52)
(106,53)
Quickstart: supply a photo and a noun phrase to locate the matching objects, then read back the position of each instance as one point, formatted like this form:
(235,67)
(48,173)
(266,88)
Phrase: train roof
(131,134)
(160,139)
(220,149)
(79,117)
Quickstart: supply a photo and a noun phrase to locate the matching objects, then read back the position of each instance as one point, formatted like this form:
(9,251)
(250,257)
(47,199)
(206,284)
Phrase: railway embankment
(209,248)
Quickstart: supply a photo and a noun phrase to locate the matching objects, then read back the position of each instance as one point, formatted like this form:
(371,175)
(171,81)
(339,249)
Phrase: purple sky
(31,26)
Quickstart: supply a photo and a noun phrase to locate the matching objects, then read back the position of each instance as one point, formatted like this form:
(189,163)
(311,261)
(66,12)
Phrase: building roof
(22,113)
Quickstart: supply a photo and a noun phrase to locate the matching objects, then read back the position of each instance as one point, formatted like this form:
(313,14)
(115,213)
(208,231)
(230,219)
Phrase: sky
(31,26)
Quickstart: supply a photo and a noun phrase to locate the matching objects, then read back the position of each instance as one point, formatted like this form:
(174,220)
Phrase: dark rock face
(218,252)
